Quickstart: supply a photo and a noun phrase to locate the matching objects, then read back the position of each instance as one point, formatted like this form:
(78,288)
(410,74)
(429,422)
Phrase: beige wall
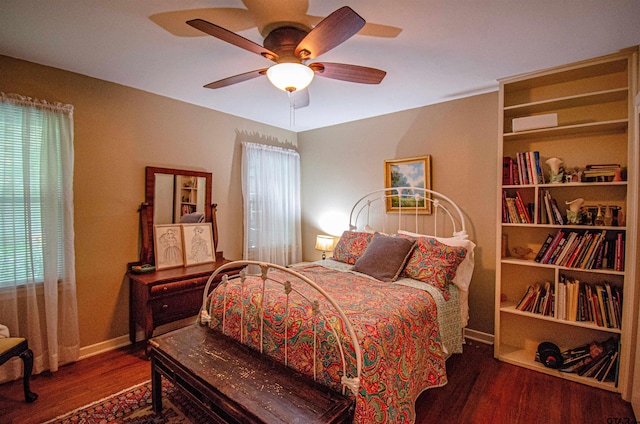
(119,131)
(461,137)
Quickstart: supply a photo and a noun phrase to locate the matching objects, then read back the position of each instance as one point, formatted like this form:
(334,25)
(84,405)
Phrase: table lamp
(324,244)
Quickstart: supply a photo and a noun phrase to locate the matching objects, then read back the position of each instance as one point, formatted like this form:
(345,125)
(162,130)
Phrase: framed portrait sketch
(167,244)
(410,172)
(198,243)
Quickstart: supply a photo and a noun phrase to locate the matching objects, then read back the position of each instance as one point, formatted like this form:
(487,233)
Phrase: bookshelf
(187,196)
(584,114)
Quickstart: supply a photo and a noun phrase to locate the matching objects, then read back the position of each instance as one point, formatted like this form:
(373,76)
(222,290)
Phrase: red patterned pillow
(434,263)
(351,246)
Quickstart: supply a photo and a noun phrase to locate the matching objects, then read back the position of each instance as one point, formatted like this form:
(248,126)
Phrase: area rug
(133,406)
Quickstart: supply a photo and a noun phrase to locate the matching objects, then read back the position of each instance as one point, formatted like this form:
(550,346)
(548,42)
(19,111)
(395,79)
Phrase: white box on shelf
(534,122)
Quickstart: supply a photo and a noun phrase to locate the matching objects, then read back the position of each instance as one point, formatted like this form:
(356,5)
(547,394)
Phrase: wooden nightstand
(169,295)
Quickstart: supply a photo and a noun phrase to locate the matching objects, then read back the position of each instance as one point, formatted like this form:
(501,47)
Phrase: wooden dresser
(168,295)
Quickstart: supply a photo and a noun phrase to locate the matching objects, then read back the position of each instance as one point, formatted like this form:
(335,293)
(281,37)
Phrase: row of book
(523,169)
(599,304)
(583,249)
(515,211)
(538,299)
(549,210)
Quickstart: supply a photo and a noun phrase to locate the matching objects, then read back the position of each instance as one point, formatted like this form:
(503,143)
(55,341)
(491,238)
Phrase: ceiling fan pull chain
(292,108)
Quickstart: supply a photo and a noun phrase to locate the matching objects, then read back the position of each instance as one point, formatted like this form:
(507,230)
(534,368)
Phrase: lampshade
(290,76)
(324,243)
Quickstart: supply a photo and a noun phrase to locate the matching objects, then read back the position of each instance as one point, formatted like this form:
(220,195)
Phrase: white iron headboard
(373,205)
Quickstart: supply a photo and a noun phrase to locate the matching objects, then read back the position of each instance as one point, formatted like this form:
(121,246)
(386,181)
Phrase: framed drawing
(167,244)
(197,243)
(410,172)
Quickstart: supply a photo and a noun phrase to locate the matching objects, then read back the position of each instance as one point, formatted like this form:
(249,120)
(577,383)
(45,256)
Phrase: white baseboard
(478,336)
(107,345)
(118,342)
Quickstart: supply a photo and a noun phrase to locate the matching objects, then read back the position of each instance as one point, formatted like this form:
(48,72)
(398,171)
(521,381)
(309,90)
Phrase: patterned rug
(133,406)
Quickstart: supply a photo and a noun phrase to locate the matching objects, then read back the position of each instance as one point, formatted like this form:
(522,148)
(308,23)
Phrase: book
(544,248)
(507,170)
(552,247)
(524,213)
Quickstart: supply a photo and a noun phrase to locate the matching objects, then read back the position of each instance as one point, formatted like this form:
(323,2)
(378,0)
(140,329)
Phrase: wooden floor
(480,390)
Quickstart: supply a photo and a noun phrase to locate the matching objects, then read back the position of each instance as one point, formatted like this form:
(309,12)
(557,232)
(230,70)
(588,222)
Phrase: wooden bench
(235,384)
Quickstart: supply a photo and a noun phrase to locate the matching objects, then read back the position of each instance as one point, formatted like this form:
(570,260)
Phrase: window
(271,191)
(26,183)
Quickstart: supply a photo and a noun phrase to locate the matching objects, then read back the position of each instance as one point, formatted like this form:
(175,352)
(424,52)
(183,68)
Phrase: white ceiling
(445,49)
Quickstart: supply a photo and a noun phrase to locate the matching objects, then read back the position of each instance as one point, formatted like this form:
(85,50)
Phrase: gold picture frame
(409,172)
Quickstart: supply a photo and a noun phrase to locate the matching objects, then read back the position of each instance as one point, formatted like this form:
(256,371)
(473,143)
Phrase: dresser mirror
(174,196)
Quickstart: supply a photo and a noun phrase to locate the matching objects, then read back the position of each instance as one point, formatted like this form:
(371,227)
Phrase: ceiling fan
(291,46)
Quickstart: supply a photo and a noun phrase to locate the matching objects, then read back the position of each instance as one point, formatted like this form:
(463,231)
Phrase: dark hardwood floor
(480,390)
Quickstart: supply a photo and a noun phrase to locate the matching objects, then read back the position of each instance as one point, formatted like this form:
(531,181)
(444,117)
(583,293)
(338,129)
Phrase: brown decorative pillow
(385,257)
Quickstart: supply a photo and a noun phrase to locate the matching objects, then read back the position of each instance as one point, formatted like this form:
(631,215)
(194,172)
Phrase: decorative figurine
(556,175)
(522,252)
(576,176)
(573,213)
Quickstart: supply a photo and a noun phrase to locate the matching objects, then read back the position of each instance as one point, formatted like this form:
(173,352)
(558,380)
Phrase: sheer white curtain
(271,191)
(37,262)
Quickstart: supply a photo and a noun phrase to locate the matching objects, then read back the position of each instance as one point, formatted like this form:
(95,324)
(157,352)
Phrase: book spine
(524,213)
(544,248)
(552,247)
(507,170)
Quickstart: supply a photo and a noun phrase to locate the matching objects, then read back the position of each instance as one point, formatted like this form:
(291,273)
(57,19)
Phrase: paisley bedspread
(396,327)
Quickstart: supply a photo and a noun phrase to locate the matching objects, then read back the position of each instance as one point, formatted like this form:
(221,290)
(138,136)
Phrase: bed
(377,320)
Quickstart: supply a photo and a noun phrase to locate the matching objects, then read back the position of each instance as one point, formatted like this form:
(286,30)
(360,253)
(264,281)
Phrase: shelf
(618,125)
(565,185)
(532,263)
(525,359)
(511,309)
(570,227)
(606,96)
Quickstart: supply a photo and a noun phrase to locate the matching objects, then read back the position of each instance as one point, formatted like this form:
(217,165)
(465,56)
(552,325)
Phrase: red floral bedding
(396,327)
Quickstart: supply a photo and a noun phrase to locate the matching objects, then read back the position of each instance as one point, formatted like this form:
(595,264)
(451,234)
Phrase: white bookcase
(596,124)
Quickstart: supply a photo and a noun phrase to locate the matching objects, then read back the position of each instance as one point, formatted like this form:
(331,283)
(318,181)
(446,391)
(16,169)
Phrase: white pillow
(465,269)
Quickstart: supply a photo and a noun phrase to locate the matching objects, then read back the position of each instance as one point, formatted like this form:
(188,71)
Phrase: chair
(18,346)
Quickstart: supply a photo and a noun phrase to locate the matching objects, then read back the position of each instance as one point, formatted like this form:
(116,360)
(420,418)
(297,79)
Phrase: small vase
(599,217)
(556,173)
(608,216)
(617,176)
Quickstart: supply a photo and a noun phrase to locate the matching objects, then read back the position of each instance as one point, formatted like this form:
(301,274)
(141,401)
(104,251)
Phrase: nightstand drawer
(167,289)
(176,306)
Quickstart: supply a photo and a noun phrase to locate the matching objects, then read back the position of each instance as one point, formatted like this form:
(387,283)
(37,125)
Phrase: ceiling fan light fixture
(290,76)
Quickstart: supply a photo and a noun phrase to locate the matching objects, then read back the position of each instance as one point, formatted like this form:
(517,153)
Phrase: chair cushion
(9,342)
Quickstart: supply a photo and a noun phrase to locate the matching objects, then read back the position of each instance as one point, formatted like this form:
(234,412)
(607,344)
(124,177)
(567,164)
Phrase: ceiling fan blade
(300,98)
(234,19)
(237,78)
(231,37)
(329,33)
(350,73)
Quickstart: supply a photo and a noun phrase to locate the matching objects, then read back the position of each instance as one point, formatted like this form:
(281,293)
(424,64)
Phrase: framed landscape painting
(198,243)
(410,172)
(168,246)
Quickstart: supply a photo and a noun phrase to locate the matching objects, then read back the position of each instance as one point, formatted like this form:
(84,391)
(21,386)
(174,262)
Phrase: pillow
(385,257)
(434,263)
(351,246)
(465,269)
